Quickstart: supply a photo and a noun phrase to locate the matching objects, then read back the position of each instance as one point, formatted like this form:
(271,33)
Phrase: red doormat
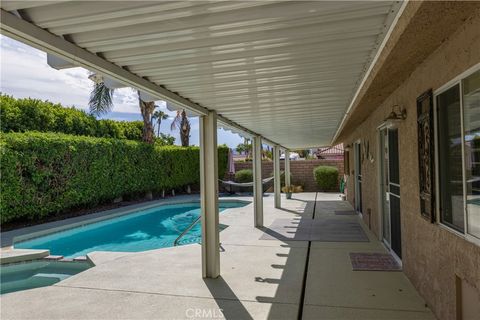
(373,262)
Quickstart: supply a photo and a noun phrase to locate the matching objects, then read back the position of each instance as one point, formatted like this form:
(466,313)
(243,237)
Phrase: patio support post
(209,195)
(276,172)
(257,181)
(287,168)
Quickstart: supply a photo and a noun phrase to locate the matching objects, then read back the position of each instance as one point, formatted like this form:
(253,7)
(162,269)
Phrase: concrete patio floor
(260,279)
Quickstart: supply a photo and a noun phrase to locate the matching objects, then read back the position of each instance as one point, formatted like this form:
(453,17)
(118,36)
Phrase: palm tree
(101,102)
(147,108)
(101,99)
(159,116)
(183,124)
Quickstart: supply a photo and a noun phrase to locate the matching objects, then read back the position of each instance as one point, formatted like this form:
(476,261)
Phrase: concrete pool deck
(260,279)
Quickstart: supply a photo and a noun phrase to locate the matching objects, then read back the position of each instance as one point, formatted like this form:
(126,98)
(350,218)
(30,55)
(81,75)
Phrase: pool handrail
(175,243)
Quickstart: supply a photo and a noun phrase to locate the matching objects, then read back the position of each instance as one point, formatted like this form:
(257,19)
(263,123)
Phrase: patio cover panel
(286,70)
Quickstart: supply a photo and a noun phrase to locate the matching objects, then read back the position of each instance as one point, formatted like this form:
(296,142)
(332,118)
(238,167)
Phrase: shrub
(21,115)
(326,177)
(48,173)
(245,175)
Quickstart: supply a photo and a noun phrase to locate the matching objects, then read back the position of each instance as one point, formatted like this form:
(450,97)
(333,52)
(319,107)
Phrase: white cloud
(25,73)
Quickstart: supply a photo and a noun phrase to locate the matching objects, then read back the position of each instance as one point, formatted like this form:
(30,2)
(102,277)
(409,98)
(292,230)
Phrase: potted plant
(288,190)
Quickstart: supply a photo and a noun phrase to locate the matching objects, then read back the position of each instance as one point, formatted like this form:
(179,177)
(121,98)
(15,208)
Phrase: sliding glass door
(471,139)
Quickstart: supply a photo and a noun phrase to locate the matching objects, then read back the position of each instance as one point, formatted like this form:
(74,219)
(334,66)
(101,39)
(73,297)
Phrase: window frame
(455,81)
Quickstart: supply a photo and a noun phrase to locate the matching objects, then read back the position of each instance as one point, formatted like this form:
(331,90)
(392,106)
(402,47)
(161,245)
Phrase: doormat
(336,230)
(373,262)
(326,230)
(345,212)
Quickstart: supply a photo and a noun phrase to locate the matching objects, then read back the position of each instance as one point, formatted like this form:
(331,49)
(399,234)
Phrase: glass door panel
(450,158)
(471,125)
(358,177)
(385,192)
(394,192)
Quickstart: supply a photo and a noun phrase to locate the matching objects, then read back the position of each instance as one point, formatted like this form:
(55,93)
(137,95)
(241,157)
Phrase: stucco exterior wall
(432,255)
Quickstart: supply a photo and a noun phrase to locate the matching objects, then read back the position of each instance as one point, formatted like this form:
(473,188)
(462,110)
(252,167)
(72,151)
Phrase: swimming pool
(37,273)
(148,229)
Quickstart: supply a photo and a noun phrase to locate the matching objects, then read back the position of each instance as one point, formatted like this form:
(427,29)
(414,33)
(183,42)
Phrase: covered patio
(260,279)
(283,73)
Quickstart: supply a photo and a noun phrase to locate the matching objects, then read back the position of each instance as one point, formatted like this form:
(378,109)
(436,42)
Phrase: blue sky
(24,72)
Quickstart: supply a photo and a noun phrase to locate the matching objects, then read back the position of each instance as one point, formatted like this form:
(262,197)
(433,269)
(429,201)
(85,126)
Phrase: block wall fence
(301,170)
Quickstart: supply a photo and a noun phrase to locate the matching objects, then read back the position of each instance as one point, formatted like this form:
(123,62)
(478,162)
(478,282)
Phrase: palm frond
(101,99)
(159,115)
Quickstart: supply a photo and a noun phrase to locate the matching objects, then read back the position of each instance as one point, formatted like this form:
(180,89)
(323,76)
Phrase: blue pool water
(37,273)
(149,229)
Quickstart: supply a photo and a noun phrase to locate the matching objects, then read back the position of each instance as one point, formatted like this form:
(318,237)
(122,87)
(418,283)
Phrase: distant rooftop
(334,152)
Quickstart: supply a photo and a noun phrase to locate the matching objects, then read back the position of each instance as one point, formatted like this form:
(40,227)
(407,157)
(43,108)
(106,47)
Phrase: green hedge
(21,115)
(47,173)
(326,177)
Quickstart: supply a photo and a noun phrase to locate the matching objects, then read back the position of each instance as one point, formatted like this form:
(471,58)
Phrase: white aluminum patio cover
(286,70)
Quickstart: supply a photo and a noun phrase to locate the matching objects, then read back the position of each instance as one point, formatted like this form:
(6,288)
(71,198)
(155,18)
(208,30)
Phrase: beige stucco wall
(432,256)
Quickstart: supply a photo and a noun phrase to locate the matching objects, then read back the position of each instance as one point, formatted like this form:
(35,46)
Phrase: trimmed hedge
(48,173)
(245,175)
(326,177)
(21,115)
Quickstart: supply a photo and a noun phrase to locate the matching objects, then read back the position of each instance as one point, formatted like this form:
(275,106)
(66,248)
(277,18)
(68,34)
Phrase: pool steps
(15,256)
(20,255)
(59,276)
(53,258)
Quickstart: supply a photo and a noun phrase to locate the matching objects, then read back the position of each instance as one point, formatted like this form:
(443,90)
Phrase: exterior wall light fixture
(395,117)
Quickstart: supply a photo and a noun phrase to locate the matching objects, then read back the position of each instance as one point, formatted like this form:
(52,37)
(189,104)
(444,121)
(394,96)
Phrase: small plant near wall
(326,177)
(291,189)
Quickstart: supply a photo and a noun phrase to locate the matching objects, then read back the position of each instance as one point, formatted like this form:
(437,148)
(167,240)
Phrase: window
(458,141)
(450,158)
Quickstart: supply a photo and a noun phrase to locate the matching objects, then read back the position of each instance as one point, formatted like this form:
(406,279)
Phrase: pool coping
(20,255)
(10,237)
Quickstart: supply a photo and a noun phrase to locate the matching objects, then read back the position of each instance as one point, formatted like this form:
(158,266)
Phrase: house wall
(301,170)
(432,255)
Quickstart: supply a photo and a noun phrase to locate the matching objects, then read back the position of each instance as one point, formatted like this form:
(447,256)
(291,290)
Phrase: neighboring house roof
(238,157)
(330,152)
